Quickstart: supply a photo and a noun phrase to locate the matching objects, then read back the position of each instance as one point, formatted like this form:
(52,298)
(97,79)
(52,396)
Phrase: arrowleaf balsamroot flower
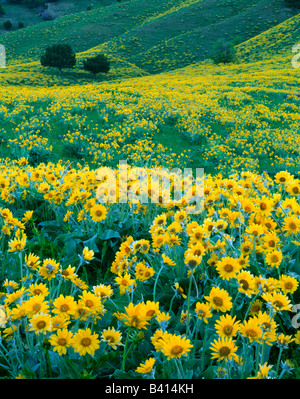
(64,306)
(251,329)
(112,337)
(88,254)
(203,311)
(61,340)
(228,267)
(84,342)
(175,346)
(98,212)
(40,323)
(223,348)
(146,367)
(134,316)
(219,299)
(226,326)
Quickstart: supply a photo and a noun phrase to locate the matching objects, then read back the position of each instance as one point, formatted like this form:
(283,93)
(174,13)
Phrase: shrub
(38,155)
(2,12)
(223,52)
(47,16)
(59,56)
(7,25)
(98,64)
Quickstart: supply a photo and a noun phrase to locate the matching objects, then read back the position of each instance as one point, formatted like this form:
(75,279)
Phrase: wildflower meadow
(151,271)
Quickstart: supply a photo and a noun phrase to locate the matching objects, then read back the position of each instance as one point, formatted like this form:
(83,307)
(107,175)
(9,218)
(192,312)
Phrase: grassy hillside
(19,13)
(187,35)
(276,41)
(155,36)
(82,30)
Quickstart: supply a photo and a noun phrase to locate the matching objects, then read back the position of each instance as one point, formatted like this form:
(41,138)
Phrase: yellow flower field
(98,281)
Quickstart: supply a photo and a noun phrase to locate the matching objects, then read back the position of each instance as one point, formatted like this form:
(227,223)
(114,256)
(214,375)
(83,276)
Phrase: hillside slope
(155,36)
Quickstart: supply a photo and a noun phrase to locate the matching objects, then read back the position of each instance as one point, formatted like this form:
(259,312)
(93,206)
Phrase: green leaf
(109,234)
(93,243)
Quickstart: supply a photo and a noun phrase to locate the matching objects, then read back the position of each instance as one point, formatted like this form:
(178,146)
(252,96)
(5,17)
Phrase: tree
(59,56)
(2,12)
(293,3)
(97,64)
(223,51)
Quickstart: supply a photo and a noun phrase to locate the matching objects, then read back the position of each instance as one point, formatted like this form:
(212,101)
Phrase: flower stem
(188,305)
(125,349)
(156,281)
(278,361)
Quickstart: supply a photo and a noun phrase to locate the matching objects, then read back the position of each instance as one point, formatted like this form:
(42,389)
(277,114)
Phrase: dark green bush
(97,64)
(223,52)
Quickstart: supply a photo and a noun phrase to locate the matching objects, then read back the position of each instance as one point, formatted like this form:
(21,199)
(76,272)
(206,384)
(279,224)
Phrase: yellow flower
(36,304)
(203,311)
(38,289)
(32,261)
(146,367)
(163,317)
(223,348)
(88,254)
(18,243)
(266,323)
(251,329)
(265,206)
(288,284)
(192,261)
(84,342)
(179,290)
(291,225)
(111,337)
(134,316)
(246,283)
(40,323)
(274,258)
(61,341)
(59,322)
(284,340)
(126,283)
(150,310)
(228,267)
(91,302)
(219,299)
(297,338)
(98,212)
(175,346)
(49,269)
(255,307)
(27,216)
(64,306)
(68,273)
(262,373)
(279,301)
(227,326)
(103,291)
(167,260)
